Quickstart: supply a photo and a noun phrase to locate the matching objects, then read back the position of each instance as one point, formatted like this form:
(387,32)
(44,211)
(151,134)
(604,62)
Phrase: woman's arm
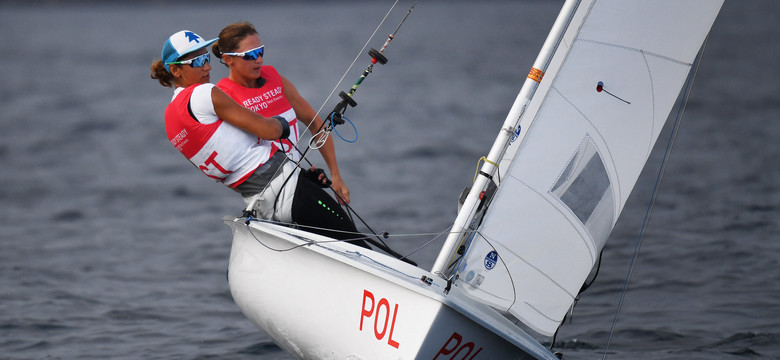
(305,113)
(229,110)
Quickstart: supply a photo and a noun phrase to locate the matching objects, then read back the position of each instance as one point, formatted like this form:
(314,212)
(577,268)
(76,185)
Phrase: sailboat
(532,226)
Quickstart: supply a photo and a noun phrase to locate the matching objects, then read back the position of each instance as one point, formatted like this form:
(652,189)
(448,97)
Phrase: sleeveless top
(267,100)
(222,151)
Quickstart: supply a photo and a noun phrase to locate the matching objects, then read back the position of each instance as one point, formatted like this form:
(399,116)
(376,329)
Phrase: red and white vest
(222,151)
(268,101)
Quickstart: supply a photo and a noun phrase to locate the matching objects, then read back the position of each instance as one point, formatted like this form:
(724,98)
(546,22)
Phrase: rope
(341,80)
(301,226)
(354,128)
(387,267)
(429,242)
(364,236)
(485,159)
(320,136)
(654,196)
(352,253)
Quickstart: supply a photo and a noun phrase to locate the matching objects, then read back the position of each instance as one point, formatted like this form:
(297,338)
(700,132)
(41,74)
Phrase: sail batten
(586,135)
(637,50)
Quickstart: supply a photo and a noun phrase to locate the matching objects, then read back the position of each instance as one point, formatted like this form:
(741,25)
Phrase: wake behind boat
(532,226)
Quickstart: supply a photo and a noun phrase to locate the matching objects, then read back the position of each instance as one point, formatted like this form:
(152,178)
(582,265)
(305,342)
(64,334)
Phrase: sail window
(585,188)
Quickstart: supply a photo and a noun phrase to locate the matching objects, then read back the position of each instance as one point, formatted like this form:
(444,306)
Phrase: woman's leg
(314,207)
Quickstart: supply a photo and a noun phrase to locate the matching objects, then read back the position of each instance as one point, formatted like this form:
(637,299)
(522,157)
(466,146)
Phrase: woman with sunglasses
(222,138)
(234,145)
(262,89)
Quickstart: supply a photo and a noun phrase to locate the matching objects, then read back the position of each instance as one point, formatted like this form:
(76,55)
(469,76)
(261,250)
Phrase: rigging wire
(357,254)
(321,135)
(434,236)
(654,195)
(423,246)
(249,228)
(349,68)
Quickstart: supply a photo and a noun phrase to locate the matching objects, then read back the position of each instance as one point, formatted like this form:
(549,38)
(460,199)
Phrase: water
(112,245)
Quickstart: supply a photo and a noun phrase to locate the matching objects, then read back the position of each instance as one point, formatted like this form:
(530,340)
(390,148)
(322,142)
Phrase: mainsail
(585,137)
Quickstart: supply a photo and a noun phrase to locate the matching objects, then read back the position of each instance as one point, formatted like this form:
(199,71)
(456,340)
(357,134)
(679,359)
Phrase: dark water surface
(111,244)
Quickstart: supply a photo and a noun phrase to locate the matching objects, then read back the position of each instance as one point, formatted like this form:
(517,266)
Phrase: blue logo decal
(191,36)
(491,259)
(515,134)
(470,276)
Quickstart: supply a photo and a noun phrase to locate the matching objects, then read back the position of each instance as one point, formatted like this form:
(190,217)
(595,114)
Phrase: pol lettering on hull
(383,316)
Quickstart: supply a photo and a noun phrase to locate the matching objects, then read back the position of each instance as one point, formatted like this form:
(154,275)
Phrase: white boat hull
(334,300)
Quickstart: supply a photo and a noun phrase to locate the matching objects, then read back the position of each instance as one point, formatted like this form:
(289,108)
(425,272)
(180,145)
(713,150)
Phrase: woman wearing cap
(233,144)
(262,89)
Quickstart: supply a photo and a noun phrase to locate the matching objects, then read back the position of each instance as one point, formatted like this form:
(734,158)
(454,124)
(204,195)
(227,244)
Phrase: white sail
(586,135)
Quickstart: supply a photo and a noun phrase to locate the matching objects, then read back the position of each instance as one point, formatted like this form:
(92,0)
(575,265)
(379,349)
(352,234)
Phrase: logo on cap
(191,36)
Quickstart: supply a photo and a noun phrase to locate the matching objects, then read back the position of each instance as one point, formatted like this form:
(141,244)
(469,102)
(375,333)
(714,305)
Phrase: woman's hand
(340,189)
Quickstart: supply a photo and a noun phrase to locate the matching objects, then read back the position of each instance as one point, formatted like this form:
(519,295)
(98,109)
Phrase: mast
(469,208)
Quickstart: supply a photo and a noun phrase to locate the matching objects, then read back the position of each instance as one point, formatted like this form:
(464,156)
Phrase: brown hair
(230,36)
(160,74)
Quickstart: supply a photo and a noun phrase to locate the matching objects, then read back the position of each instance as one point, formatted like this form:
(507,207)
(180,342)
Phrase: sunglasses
(249,54)
(197,61)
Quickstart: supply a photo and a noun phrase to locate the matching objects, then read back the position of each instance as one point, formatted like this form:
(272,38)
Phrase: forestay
(590,128)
